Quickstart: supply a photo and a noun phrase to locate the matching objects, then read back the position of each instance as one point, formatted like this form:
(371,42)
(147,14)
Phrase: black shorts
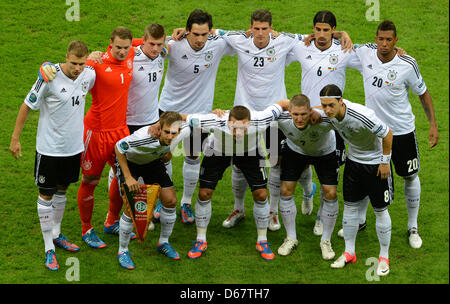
(293,164)
(340,148)
(152,173)
(195,143)
(405,154)
(253,168)
(361,180)
(276,137)
(52,171)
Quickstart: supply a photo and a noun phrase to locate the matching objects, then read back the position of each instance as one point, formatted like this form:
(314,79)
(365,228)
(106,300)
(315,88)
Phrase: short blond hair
(77,48)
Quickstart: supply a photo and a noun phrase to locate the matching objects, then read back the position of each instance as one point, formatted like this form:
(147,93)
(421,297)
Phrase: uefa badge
(270,52)
(32,98)
(209,56)
(124,146)
(392,75)
(333,59)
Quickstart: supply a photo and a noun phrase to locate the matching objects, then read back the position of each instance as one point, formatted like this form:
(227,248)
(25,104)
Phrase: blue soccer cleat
(198,249)
(50,260)
(157,211)
(125,260)
(92,239)
(114,229)
(168,251)
(62,242)
(187,216)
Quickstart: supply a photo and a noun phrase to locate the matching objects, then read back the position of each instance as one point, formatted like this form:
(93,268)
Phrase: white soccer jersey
(317,140)
(143,95)
(386,87)
(363,131)
(221,139)
(141,148)
(61,104)
(321,68)
(191,75)
(260,78)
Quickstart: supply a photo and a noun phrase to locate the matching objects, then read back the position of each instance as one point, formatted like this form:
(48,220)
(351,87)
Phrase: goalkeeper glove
(47,72)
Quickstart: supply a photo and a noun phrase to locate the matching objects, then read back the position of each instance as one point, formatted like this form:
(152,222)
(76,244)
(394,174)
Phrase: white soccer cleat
(341,233)
(360,228)
(415,241)
(318,227)
(274,223)
(287,246)
(151,226)
(233,219)
(344,259)
(307,203)
(327,250)
(383,267)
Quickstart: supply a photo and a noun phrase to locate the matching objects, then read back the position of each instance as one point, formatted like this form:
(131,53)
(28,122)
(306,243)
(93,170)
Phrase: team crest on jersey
(392,75)
(270,52)
(209,56)
(84,86)
(334,59)
(129,64)
(124,145)
(160,63)
(32,98)
(87,165)
(41,179)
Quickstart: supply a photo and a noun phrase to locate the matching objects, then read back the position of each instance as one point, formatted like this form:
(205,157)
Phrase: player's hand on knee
(47,71)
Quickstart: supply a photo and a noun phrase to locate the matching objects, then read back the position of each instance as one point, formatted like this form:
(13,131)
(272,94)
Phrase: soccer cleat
(307,203)
(360,228)
(125,260)
(187,216)
(318,227)
(62,242)
(274,223)
(383,267)
(264,250)
(168,251)
(287,246)
(157,211)
(50,260)
(327,250)
(415,241)
(114,229)
(344,259)
(91,238)
(198,249)
(233,219)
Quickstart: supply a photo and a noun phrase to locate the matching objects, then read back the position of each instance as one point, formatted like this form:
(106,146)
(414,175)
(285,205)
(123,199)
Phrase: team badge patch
(160,63)
(334,59)
(392,75)
(209,56)
(84,86)
(124,146)
(87,165)
(32,98)
(270,52)
(41,179)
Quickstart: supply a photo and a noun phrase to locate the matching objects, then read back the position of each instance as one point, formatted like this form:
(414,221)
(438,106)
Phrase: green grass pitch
(37,31)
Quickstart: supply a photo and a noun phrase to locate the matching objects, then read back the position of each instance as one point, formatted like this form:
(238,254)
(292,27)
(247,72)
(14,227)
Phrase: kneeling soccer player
(140,154)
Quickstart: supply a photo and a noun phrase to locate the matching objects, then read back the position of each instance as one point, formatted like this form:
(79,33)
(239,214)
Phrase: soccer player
(307,144)
(367,171)
(322,62)
(139,154)
(59,142)
(234,141)
(189,88)
(142,109)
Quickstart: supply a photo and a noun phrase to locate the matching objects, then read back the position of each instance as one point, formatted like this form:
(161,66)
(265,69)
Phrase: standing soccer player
(387,80)
(234,141)
(367,171)
(189,88)
(306,145)
(59,141)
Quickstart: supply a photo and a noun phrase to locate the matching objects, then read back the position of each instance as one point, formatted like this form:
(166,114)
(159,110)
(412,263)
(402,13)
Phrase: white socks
(383,226)
(363,204)
(167,219)
(45,213)
(59,204)
(125,229)
(191,172)
(239,185)
(288,212)
(306,181)
(203,212)
(412,198)
(274,187)
(261,213)
(329,215)
(350,220)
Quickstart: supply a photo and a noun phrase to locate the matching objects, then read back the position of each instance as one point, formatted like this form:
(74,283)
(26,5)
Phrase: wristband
(385,159)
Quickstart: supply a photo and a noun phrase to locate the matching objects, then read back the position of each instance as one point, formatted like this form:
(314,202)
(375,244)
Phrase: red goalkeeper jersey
(110,92)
